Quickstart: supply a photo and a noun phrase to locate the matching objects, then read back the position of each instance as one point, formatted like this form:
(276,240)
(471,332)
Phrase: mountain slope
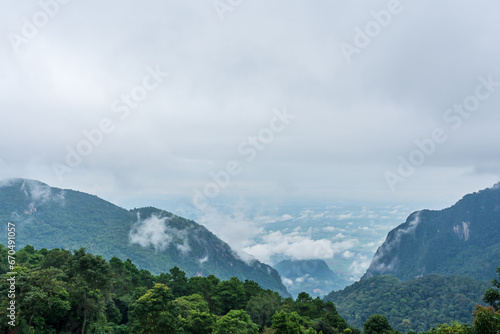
(463,239)
(418,304)
(153,239)
(311,276)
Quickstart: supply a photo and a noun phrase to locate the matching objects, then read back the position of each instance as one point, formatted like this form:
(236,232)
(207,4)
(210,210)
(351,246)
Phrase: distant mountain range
(311,276)
(463,239)
(153,239)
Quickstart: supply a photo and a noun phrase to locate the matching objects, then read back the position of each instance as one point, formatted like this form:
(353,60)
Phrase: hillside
(311,276)
(153,239)
(418,304)
(463,239)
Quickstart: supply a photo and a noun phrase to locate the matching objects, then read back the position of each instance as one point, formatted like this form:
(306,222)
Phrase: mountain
(153,239)
(311,276)
(418,304)
(463,239)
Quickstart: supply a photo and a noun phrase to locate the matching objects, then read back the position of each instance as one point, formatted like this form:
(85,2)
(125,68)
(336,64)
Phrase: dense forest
(417,305)
(58,291)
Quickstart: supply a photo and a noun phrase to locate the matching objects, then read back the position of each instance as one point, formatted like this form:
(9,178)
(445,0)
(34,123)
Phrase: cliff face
(461,240)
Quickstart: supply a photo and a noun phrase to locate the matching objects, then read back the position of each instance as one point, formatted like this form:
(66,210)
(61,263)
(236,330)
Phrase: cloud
(203,260)
(345,216)
(359,266)
(347,254)
(156,232)
(236,229)
(297,246)
(225,81)
(287,281)
(339,236)
(36,191)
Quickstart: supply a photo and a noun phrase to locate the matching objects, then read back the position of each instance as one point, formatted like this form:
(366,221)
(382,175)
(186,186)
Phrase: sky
(210,102)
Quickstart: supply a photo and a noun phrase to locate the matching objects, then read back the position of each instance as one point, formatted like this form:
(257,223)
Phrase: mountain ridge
(445,241)
(154,239)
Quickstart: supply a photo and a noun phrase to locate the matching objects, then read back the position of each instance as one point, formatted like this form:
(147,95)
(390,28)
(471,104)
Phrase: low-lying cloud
(36,191)
(155,232)
(297,246)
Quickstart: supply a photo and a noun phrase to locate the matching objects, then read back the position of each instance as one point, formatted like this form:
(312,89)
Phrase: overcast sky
(291,99)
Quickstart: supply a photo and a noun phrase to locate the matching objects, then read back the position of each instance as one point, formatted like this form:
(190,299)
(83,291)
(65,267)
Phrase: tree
(377,324)
(229,295)
(486,320)
(492,296)
(235,322)
(154,312)
(204,286)
(332,317)
(288,323)
(262,307)
(91,281)
(194,314)
(176,280)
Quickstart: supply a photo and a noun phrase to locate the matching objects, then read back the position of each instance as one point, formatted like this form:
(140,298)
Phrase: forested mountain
(153,239)
(311,276)
(418,304)
(463,239)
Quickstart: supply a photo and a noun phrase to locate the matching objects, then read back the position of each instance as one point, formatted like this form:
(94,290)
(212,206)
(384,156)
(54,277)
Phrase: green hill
(418,304)
(153,239)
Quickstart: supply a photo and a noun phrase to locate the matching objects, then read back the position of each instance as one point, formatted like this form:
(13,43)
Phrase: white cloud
(359,266)
(297,246)
(156,232)
(348,254)
(235,229)
(345,216)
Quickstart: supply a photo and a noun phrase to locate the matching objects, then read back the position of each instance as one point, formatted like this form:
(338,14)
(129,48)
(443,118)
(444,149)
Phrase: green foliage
(154,312)
(235,322)
(289,323)
(229,295)
(262,307)
(60,292)
(453,328)
(492,296)
(418,305)
(377,324)
(486,320)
